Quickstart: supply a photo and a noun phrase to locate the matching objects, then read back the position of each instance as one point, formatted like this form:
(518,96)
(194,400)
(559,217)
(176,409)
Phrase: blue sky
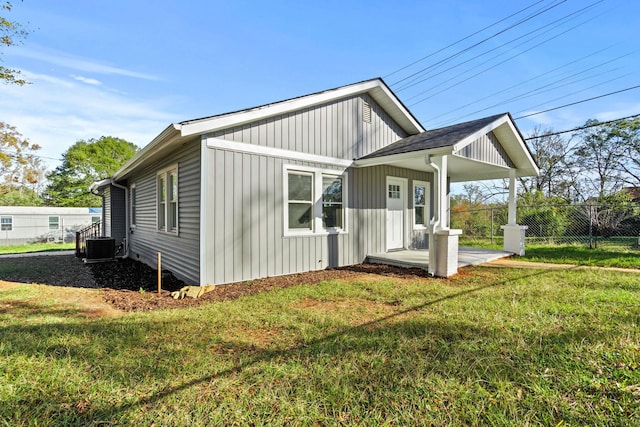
(129,68)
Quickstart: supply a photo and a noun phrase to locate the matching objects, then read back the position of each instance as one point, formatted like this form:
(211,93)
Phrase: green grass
(36,247)
(488,347)
(581,255)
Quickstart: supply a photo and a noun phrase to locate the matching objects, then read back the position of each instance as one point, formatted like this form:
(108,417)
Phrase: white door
(396,196)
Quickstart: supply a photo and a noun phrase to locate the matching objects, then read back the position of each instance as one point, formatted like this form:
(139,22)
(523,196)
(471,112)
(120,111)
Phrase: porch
(420,258)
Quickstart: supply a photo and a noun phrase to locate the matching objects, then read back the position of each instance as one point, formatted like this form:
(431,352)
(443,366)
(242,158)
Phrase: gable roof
(437,138)
(178,133)
(410,152)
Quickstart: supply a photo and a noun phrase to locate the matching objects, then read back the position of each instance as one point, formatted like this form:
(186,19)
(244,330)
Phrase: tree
(550,153)
(11,33)
(84,163)
(21,170)
(600,157)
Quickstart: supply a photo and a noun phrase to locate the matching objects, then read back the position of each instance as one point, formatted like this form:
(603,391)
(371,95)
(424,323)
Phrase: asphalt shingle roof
(437,138)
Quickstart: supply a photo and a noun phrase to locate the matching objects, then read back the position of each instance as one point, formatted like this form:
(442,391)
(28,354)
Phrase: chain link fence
(590,224)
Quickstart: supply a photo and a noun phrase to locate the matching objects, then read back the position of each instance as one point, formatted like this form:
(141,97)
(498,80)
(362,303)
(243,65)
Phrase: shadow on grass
(443,340)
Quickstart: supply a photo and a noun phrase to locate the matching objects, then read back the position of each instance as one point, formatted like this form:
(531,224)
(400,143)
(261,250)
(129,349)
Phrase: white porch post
(514,234)
(443,258)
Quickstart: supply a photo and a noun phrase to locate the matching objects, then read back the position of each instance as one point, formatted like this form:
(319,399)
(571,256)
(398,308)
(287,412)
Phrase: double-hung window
(420,204)
(54,223)
(134,202)
(314,201)
(167,201)
(6,223)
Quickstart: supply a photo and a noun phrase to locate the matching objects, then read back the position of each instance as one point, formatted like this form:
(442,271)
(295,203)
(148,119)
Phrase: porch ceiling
(460,169)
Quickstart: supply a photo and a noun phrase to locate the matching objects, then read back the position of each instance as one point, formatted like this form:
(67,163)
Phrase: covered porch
(483,149)
(419,258)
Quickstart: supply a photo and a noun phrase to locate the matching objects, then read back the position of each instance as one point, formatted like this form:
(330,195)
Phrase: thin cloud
(77,63)
(87,80)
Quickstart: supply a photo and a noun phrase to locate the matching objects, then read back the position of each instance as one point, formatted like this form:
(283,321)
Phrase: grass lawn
(36,247)
(582,255)
(491,346)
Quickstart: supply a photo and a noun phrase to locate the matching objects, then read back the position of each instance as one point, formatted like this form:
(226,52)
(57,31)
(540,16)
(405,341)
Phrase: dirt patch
(129,285)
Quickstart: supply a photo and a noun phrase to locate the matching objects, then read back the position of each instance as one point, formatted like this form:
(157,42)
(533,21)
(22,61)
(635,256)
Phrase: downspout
(435,221)
(126,217)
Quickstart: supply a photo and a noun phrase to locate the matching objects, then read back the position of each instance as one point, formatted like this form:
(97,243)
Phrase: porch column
(443,258)
(514,234)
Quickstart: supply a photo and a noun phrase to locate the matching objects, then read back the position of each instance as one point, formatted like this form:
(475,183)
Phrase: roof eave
(377,88)
(159,143)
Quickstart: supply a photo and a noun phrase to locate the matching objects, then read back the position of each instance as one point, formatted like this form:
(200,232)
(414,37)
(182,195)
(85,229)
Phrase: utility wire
(583,127)
(462,39)
(449,58)
(578,102)
(554,24)
(524,82)
(500,63)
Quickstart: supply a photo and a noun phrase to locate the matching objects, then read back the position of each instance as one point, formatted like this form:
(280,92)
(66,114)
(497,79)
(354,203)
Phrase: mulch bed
(130,285)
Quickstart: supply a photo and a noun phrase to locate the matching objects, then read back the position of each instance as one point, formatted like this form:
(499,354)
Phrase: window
(54,223)
(300,197)
(420,204)
(315,201)
(95,219)
(134,201)
(168,200)
(331,201)
(394,191)
(6,223)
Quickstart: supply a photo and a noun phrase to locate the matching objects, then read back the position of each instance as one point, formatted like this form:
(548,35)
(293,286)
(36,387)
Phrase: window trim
(133,205)
(427,204)
(165,174)
(316,225)
(10,218)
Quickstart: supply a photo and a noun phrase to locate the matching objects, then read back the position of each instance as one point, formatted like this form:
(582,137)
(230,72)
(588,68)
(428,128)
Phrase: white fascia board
(243,147)
(278,108)
(394,99)
(485,130)
(158,143)
(395,158)
(99,184)
(523,147)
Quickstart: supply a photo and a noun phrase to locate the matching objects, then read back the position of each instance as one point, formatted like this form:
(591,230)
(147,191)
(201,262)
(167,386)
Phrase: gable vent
(366,112)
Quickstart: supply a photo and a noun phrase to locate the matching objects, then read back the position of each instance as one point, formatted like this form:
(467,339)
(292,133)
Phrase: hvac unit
(101,248)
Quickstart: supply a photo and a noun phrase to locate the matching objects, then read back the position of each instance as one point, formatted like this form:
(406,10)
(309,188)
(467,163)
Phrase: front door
(396,196)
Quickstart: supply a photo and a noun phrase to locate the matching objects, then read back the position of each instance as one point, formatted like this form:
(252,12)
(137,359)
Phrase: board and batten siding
(244,222)
(487,149)
(335,129)
(180,252)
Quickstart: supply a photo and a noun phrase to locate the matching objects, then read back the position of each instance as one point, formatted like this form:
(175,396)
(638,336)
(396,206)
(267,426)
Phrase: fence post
(492,226)
(590,226)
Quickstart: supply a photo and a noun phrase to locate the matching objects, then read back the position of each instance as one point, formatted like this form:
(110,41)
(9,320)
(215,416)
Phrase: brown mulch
(130,285)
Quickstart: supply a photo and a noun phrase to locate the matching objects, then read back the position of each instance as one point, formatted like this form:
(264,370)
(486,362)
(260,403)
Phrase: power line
(578,102)
(462,39)
(449,58)
(554,24)
(499,63)
(584,127)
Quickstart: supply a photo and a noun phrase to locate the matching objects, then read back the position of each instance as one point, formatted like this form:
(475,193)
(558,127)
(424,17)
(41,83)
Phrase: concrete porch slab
(420,258)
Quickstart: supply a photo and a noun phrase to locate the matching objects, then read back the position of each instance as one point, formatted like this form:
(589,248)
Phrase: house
(30,224)
(308,183)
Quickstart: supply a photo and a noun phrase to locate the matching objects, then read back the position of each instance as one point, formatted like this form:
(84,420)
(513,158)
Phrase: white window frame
(316,225)
(3,224)
(427,204)
(133,211)
(165,174)
(58,221)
